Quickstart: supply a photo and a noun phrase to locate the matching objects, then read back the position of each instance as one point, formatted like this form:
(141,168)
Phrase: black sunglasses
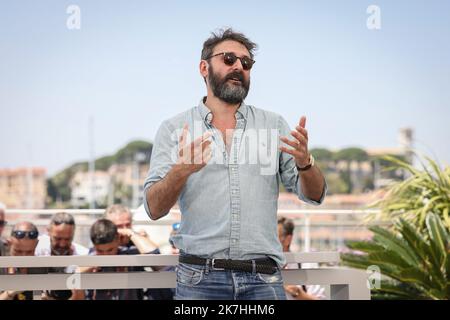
(3,223)
(22,234)
(229,58)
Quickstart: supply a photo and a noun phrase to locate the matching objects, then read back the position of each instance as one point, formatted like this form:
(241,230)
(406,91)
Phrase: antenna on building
(405,140)
(91,163)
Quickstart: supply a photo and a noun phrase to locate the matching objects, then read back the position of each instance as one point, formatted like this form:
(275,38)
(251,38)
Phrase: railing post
(339,292)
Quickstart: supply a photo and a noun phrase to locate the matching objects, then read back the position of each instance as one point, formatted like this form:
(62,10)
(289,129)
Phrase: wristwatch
(308,166)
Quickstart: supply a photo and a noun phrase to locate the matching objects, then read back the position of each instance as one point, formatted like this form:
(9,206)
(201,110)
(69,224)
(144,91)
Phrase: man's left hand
(299,144)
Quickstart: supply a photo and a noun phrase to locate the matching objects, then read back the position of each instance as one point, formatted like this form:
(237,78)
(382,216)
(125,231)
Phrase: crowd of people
(111,235)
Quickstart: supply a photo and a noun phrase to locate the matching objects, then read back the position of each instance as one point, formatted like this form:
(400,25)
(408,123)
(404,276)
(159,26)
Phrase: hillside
(58,185)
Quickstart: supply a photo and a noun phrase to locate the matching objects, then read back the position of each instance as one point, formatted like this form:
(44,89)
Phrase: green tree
(59,185)
(337,185)
(412,253)
(60,182)
(414,264)
(424,191)
(127,153)
(322,154)
(351,154)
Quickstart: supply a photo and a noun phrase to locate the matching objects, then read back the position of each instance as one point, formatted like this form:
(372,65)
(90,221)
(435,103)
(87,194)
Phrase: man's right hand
(193,156)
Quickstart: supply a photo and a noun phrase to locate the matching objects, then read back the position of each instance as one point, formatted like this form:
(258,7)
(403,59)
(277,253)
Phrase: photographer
(23,242)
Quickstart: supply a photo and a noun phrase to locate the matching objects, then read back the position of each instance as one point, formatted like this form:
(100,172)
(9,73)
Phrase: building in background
(403,151)
(355,170)
(127,183)
(121,183)
(23,188)
(87,188)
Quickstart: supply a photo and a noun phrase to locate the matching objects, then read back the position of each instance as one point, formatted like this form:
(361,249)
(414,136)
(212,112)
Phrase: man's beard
(59,251)
(225,91)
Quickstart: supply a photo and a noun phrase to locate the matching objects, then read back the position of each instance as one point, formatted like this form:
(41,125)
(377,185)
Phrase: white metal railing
(302,218)
(344,283)
(177,211)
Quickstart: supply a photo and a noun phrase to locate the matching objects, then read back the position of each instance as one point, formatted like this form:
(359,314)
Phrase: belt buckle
(213,263)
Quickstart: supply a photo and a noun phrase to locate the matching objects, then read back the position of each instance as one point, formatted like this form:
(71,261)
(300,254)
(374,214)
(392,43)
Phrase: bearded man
(226,179)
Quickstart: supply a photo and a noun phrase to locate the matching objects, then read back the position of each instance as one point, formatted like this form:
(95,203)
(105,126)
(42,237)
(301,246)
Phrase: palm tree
(412,254)
(413,265)
(424,191)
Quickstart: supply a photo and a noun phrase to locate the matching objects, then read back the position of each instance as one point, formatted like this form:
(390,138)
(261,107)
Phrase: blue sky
(135,63)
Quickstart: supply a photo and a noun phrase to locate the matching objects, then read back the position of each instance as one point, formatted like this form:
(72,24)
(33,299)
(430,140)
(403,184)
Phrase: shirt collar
(207,116)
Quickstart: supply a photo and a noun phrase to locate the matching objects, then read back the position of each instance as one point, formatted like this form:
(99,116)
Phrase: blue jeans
(195,282)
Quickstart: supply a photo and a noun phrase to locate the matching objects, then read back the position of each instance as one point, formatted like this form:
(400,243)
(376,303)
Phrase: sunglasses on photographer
(229,58)
(22,234)
(3,223)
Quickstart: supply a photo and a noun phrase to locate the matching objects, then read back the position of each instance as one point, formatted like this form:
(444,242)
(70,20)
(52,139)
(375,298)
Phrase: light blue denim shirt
(229,207)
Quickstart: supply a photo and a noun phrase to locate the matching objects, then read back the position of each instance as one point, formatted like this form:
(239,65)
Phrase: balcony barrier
(341,283)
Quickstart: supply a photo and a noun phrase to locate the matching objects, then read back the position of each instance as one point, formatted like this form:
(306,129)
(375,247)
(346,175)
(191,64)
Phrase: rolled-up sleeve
(288,170)
(162,159)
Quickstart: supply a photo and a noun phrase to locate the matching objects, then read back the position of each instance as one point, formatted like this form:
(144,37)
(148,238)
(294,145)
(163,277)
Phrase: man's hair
(224,35)
(62,218)
(29,226)
(287,226)
(103,231)
(116,209)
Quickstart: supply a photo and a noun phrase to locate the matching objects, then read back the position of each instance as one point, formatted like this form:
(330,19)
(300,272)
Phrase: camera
(59,294)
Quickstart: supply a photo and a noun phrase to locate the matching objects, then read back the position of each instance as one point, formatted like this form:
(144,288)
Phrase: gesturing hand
(195,155)
(299,143)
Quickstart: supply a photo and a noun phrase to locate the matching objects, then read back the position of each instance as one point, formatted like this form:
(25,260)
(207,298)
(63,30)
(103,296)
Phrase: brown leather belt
(261,265)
